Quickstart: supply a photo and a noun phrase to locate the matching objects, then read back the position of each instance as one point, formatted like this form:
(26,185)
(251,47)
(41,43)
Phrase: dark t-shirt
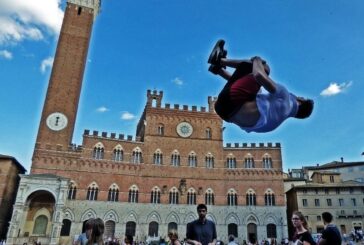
(202,232)
(304,237)
(331,235)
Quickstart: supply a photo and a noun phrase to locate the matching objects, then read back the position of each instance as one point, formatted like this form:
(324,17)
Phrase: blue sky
(315,48)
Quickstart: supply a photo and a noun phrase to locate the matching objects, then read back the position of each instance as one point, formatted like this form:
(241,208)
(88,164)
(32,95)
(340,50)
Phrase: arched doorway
(109,229)
(38,218)
(252,232)
(172,226)
(233,229)
(130,228)
(271,231)
(153,229)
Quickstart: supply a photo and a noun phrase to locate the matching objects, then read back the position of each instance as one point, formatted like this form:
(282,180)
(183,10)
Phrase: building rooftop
(6,157)
(350,183)
(335,164)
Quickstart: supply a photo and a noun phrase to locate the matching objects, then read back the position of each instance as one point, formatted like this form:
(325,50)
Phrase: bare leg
(224,74)
(232,63)
(261,76)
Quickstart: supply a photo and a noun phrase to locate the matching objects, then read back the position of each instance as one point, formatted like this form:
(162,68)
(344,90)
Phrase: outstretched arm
(261,75)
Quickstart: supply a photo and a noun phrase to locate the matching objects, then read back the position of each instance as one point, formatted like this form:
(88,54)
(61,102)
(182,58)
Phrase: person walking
(330,235)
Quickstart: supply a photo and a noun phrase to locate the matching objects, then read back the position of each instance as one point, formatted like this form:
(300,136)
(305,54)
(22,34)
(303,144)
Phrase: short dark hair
(201,206)
(231,238)
(327,217)
(305,108)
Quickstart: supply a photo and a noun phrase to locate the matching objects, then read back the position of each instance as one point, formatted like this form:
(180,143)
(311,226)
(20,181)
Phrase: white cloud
(335,88)
(6,54)
(177,81)
(23,19)
(127,116)
(46,63)
(102,109)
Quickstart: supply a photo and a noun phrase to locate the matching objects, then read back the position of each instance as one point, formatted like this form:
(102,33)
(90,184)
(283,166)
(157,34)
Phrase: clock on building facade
(184,129)
(57,121)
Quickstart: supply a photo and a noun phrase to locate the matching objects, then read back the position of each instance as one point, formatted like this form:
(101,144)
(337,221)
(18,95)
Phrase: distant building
(10,169)
(326,192)
(293,178)
(348,170)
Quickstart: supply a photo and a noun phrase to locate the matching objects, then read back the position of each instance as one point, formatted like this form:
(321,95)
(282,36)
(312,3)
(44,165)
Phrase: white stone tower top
(92,4)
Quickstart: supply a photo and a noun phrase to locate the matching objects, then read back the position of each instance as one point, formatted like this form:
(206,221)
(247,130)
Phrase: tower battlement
(158,96)
(112,136)
(95,5)
(252,145)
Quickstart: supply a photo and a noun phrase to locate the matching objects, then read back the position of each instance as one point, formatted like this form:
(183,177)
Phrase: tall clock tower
(61,102)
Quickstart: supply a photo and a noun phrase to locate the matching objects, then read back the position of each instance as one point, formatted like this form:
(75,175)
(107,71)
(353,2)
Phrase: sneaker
(217,53)
(214,69)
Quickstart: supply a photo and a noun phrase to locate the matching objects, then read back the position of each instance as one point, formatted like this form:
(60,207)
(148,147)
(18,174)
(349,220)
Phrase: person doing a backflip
(242,102)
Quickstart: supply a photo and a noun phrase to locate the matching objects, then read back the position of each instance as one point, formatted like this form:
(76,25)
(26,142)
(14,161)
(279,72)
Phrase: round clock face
(184,129)
(56,121)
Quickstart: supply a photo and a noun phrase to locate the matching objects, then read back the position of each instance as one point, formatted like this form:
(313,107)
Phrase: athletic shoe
(214,69)
(217,53)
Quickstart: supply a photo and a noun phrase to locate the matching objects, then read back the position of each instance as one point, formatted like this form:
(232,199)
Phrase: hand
(211,243)
(254,58)
(198,243)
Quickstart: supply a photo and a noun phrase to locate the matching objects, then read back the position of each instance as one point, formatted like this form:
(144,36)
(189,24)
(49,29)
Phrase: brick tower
(61,103)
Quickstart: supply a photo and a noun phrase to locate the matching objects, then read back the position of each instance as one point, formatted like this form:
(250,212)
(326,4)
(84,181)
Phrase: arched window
(172,226)
(209,160)
(191,196)
(192,160)
(92,192)
(267,162)
(66,227)
(155,196)
(118,154)
(271,231)
(173,196)
(233,229)
(208,133)
(251,199)
(160,130)
(249,161)
(153,229)
(130,228)
(231,161)
(72,190)
(113,195)
(232,198)
(175,158)
(133,194)
(136,156)
(98,152)
(40,225)
(209,197)
(158,157)
(269,198)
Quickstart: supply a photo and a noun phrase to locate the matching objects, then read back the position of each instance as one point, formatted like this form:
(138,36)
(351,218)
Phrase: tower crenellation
(154,95)
(94,5)
(252,145)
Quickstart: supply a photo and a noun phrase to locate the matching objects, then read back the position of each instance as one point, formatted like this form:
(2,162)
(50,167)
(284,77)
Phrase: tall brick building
(10,169)
(144,185)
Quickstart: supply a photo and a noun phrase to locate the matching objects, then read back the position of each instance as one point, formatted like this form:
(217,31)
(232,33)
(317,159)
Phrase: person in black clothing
(201,231)
(301,236)
(331,234)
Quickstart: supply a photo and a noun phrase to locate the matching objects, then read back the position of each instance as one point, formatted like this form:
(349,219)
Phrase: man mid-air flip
(241,101)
